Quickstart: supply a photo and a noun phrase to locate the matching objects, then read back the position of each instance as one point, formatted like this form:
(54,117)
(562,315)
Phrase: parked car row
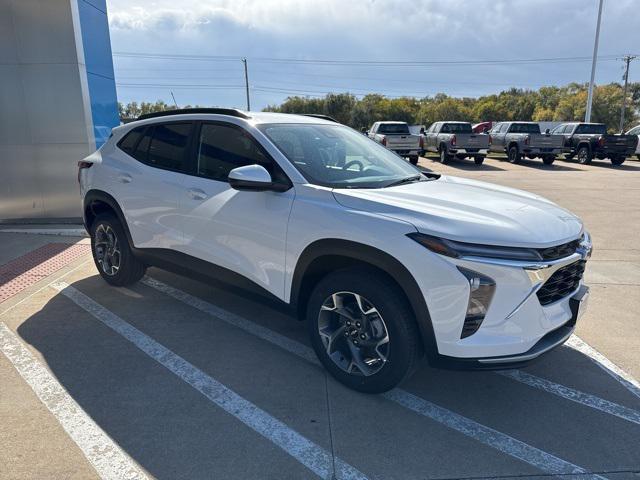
(582,141)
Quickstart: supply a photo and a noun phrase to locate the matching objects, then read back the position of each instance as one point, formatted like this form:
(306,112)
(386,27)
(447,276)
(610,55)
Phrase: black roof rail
(181,111)
(318,115)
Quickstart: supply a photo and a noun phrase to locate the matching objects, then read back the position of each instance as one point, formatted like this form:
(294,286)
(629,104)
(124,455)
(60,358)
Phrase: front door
(242,231)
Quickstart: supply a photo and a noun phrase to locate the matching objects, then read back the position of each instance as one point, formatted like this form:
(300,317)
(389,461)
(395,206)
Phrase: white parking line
(607,365)
(311,455)
(109,461)
(488,436)
(574,395)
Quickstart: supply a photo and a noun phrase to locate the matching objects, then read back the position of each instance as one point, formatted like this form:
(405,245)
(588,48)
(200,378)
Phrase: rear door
(244,232)
(148,184)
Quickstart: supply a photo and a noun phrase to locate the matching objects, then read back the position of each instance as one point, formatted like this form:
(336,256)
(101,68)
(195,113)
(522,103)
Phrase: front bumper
(523,320)
(548,342)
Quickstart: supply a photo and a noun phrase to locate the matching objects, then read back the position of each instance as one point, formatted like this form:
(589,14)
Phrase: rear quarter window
(130,140)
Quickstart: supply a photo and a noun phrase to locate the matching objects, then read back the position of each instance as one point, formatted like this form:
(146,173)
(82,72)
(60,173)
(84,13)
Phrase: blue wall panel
(99,63)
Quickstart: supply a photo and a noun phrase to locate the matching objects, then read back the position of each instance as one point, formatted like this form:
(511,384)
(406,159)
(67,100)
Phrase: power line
(377,63)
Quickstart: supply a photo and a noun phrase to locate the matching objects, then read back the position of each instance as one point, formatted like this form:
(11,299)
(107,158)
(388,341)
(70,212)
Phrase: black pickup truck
(586,141)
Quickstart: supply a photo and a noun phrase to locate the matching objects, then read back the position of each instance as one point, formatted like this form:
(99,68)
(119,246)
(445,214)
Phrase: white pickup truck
(397,137)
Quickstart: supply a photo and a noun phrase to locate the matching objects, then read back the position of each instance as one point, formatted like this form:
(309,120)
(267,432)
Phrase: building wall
(57,102)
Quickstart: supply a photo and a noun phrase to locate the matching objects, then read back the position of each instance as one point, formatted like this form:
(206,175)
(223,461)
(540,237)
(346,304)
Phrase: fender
(101,196)
(360,252)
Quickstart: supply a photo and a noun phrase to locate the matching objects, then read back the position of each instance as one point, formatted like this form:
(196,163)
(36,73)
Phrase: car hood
(469,211)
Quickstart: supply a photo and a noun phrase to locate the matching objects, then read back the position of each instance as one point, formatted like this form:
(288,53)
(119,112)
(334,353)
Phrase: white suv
(385,262)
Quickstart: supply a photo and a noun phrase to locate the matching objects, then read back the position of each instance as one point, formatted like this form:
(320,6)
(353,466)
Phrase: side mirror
(252,178)
(547,131)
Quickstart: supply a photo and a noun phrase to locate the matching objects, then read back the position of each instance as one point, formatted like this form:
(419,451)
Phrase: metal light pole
(587,117)
(246,83)
(627,59)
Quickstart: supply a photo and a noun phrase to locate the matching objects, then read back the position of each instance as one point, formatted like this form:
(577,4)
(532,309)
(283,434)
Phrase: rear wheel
(618,160)
(548,159)
(584,155)
(444,156)
(362,330)
(111,253)
(513,154)
(413,159)
(478,159)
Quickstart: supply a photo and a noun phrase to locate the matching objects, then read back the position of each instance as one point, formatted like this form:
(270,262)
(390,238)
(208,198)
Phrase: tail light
(81,166)
(421,143)
(490,140)
(453,140)
(384,141)
(601,142)
(527,139)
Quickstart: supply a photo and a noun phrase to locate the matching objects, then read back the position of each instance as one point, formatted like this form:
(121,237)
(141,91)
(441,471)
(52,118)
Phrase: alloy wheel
(107,249)
(353,333)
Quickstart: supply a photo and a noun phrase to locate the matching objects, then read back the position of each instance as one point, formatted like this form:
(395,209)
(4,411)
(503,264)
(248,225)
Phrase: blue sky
(276,35)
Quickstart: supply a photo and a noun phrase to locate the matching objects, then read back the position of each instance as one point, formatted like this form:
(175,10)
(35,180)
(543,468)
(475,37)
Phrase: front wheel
(363,330)
(111,253)
(548,159)
(413,159)
(478,159)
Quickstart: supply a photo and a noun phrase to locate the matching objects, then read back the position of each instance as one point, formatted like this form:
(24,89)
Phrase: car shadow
(539,165)
(168,428)
(627,165)
(467,165)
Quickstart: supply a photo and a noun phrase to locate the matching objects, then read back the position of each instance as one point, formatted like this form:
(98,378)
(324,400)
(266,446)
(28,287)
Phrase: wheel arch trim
(95,195)
(378,259)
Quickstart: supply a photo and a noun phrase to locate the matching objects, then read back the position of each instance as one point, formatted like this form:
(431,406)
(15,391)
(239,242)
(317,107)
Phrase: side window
(504,128)
(143,146)
(168,146)
(445,128)
(130,140)
(222,148)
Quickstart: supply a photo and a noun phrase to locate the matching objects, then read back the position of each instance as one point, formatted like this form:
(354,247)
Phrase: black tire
(413,160)
(513,155)
(130,269)
(404,345)
(444,156)
(638,156)
(478,159)
(548,159)
(618,160)
(583,155)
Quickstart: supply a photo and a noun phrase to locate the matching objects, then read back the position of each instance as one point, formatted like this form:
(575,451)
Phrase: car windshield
(525,128)
(591,129)
(456,128)
(338,157)
(394,128)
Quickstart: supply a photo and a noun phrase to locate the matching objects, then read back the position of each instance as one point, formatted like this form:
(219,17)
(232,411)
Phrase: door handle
(124,178)
(197,194)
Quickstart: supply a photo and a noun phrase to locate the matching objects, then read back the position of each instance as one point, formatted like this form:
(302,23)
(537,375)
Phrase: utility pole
(587,117)
(628,59)
(174,99)
(246,83)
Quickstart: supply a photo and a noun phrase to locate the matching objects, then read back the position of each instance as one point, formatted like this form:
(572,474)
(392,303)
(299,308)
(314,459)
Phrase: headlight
(455,249)
(481,290)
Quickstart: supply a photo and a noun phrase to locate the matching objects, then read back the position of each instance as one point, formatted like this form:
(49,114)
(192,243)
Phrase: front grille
(561,283)
(559,251)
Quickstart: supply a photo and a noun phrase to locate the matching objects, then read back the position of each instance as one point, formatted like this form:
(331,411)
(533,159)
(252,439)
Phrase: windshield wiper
(402,181)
